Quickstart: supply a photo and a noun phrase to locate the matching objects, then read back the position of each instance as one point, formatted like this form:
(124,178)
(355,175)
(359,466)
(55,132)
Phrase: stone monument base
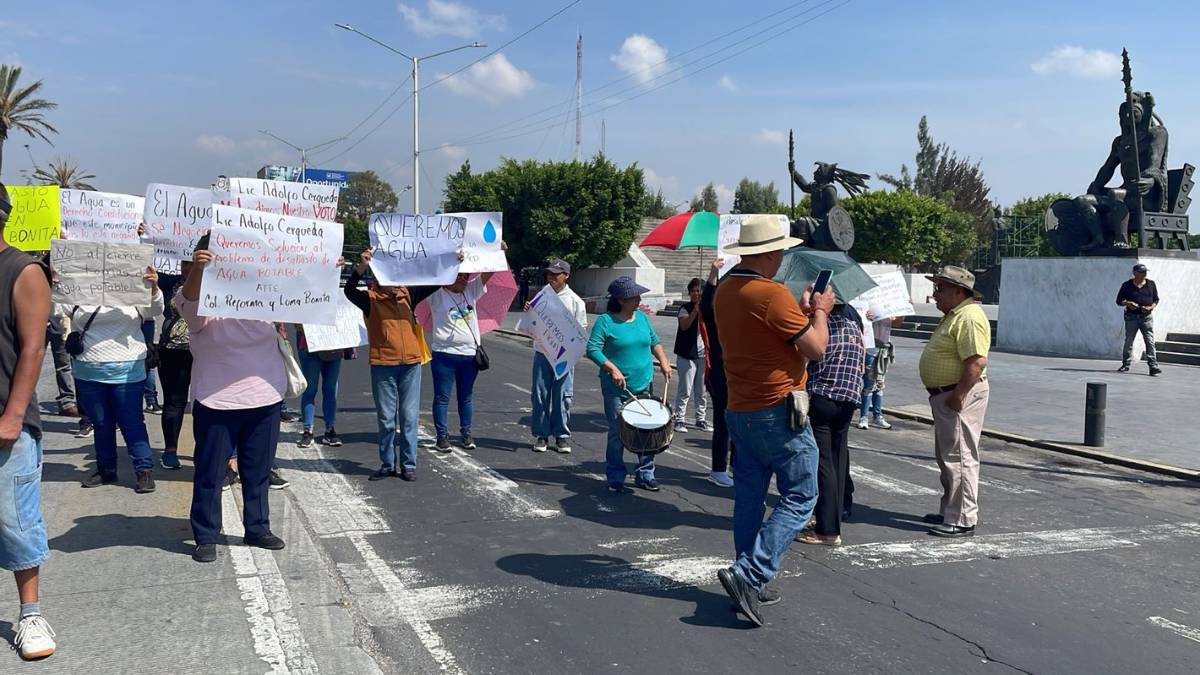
(1068,306)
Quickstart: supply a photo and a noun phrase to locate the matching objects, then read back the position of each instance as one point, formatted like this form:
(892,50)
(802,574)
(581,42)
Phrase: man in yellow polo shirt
(954,371)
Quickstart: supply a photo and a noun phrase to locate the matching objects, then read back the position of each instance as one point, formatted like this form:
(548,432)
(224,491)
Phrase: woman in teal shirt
(622,344)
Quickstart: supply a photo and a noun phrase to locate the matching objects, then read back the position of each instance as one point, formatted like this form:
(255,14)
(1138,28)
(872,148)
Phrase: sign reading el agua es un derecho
(415,249)
(272,268)
(100,216)
(34,219)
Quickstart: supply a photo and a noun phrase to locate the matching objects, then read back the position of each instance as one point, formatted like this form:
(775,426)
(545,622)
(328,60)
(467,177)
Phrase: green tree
(65,173)
(20,109)
(909,230)
(754,197)
(587,213)
(656,205)
(1194,241)
(364,194)
(803,208)
(705,201)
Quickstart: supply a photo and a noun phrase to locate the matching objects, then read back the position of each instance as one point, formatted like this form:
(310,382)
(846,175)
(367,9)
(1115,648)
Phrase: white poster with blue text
(555,332)
(415,249)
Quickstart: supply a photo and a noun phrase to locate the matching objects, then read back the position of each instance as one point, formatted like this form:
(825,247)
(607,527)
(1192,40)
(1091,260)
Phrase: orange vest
(394,337)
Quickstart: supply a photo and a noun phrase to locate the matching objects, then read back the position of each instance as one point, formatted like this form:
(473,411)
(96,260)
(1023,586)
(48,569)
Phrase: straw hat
(761,233)
(957,276)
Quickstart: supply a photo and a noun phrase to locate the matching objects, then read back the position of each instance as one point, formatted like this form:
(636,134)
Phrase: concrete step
(1177,347)
(1183,337)
(1181,359)
(671,309)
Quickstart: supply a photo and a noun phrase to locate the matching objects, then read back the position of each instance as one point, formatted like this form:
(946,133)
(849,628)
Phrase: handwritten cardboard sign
(100,216)
(34,219)
(99,274)
(415,249)
(481,243)
(176,217)
(272,268)
(323,195)
(555,332)
(349,331)
(300,208)
(888,299)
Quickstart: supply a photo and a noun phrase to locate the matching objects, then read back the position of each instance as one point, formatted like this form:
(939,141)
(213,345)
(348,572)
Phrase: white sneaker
(680,428)
(35,638)
(881,423)
(720,479)
(862,422)
(540,444)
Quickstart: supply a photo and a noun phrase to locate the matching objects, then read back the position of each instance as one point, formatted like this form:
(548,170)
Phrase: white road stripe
(482,481)
(884,483)
(519,388)
(322,489)
(277,637)
(1179,629)
(927,551)
(994,483)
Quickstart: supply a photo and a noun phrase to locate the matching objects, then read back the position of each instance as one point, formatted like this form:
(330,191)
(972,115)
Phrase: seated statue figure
(1105,211)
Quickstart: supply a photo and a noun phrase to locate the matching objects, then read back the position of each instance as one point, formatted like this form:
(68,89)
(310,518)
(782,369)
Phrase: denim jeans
(324,375)
(22,530)
(766,446)
(397,391)
(458,372)
(110,406)
(1134,324)
(150,388)
(872,400)
(551,398)
(614,452)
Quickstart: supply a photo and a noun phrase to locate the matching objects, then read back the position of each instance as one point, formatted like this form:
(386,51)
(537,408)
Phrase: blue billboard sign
(328,177)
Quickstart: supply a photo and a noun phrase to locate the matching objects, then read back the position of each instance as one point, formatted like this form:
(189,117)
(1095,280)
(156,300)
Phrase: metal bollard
(1093,414)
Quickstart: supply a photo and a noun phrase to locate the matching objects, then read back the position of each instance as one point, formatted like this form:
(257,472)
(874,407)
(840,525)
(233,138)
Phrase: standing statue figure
(1106,211)
(830,227)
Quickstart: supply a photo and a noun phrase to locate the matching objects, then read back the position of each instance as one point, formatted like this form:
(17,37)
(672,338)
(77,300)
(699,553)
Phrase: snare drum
(645,426)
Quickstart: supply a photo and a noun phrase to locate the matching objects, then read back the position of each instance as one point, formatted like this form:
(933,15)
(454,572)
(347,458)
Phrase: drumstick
(639,402)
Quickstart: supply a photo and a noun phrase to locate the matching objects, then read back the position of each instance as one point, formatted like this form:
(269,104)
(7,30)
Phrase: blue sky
(167,92)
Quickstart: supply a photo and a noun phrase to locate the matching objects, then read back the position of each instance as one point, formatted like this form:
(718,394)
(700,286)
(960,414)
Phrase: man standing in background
(1139,297)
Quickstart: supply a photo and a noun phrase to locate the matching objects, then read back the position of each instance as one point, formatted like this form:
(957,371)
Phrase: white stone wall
(1067,306)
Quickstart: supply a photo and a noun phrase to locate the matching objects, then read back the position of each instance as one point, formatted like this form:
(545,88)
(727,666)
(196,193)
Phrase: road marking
(653,572)
(637,542)
(518,388)
(482,481)
(994,483)
(276,633)
(887,555)
(321,488)
(1179,629)
(887,484)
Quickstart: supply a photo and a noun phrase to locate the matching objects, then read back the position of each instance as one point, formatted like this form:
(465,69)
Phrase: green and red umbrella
(686,230)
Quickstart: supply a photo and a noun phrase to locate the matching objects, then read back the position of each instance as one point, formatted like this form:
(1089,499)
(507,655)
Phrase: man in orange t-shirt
(768,339)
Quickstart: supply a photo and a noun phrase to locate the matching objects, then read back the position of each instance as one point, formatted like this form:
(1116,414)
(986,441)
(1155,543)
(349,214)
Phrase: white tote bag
(296,384)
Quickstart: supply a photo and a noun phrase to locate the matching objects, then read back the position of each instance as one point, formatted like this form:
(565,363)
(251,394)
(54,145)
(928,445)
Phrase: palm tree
(64,173)
(20,110)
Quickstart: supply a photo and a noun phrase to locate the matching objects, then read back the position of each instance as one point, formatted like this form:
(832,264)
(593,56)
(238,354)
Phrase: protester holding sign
(110,363)
(175,367)
(396,347)
(552,394)
(238,383)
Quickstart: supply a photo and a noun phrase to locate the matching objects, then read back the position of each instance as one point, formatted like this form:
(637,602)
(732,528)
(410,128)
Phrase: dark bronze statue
(830,227)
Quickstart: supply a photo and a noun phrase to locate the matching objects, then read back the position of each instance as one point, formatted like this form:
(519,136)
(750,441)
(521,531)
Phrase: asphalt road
(500,560)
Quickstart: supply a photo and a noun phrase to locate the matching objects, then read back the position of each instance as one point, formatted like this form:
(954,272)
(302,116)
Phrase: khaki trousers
(956,444)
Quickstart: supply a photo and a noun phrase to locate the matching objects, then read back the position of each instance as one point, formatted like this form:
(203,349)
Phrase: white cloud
(770,137)
(724,197)
(216,144)
(726,82)
(12,30)
(453,153)
(1079,62)
(668,184)
(493,80)
(641,57)
(446,17)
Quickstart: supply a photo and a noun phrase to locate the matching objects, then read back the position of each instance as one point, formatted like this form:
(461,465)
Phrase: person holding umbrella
(625,347)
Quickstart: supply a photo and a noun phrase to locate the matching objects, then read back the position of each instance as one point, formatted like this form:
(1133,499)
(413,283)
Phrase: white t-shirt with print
(455,319)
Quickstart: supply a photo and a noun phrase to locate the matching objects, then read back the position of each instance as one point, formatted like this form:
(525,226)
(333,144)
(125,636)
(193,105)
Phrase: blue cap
(1139,268)
(623,288)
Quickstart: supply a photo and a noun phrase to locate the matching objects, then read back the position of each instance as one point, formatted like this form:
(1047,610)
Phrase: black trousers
(831,428)
(254,433)
(718,390)
(175,371)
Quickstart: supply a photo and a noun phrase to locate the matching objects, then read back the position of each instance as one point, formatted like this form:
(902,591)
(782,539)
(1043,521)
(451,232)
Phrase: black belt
(934,391)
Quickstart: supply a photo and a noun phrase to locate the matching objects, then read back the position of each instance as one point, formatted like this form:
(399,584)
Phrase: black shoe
(382,473)
(100,478)
(306,439)
(468,442)
(145,482)
(847,512)
(443,444)
(649,485)
(617,488)
(408,474)
(769,596)
(205,553)
(1155,371)
(742,593)
(267,541)
(231,477)
(288,416)
(85,429)
(952,531)
(1123,369)
(564,445)
(153,408)
(331,438)
(933,518)
(275,481)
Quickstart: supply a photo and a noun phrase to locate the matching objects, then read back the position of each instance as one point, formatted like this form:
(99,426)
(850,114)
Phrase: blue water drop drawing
(489,232)
(561,367)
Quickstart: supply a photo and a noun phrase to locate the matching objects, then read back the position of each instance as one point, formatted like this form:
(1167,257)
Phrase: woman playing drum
(625,346)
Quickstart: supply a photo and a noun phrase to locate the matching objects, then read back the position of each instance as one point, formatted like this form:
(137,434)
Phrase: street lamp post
(303,151)
(416,97)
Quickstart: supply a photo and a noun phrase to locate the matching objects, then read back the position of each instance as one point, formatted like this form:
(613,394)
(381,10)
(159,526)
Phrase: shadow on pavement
(610,573)
(113,530)
(870,515)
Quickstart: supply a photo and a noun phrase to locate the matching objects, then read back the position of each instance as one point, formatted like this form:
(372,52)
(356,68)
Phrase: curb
(1096,455)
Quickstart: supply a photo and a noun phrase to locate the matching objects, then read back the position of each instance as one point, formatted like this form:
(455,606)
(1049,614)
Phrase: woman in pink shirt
(238,383)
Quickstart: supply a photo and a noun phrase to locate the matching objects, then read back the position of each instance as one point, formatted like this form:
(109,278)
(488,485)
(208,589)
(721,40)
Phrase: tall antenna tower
(578,93)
